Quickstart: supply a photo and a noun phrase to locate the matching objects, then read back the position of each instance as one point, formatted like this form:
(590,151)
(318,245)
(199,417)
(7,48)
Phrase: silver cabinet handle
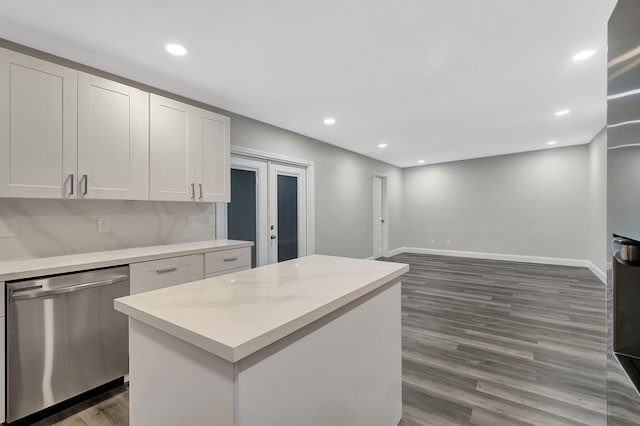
(71,178)
(193,191)
(165,270)
(229,259)
(200,185)
(69,289)
(86,184)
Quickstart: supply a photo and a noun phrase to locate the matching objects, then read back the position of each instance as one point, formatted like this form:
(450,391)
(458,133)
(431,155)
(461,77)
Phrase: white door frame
(385,213)
(249,153)
(260,168)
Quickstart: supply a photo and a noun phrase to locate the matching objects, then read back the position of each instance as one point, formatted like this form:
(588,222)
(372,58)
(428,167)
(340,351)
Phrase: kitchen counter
(235,315)
(29,268)
(314,340)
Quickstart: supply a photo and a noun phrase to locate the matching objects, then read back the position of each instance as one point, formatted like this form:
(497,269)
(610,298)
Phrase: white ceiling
(435,80)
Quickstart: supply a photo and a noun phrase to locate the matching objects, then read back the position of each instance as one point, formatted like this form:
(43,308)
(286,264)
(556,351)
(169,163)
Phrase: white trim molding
(602,275)
(582,263)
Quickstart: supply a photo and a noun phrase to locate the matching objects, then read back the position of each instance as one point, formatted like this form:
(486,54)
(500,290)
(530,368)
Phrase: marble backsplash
(40,228)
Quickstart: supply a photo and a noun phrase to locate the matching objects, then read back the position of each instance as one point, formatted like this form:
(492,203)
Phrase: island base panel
(347,371)
(172,382)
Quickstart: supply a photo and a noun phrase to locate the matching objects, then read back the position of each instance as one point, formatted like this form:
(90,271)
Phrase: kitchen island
(310,341)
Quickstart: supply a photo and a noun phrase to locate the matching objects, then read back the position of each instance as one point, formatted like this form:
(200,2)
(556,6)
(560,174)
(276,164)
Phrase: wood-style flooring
(484,343)
(502,343)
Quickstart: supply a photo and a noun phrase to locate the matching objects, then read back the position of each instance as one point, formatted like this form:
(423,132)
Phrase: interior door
(113,140)
(212,158)
(287,212)
(172,150)
(38,128)
(378,219)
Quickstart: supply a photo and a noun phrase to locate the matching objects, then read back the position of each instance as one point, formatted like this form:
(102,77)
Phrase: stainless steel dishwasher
(64,337)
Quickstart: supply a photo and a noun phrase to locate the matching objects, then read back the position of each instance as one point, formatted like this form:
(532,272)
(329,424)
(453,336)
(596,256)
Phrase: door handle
(71,178)
(381,220)
(273,237)
(200,185)
(86,184)
(69,289)
(193,191)
(165,270)
(229,259)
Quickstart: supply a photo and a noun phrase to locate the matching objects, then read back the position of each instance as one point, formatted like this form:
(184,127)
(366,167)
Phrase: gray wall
(532,204)
(598,201)
(343,187)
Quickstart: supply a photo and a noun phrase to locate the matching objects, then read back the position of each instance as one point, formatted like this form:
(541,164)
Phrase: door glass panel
(287,217)
(241,211)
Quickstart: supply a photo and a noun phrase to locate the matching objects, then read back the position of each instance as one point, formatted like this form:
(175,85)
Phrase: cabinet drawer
(227,271)
(224,260)
(146,276)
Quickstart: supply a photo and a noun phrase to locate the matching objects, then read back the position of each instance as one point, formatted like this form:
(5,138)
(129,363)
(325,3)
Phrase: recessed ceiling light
(382,145)
(420,161)
(176,49)
(562,112)
(585,54)
(552,142)
(329,121)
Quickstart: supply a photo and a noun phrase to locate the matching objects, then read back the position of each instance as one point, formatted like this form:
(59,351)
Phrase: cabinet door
(172,150)
(213,168)
(38,128)
(113,140)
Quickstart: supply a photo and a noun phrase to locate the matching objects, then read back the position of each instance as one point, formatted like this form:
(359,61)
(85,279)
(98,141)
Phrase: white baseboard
(396,251)
(602,275)
(583,263)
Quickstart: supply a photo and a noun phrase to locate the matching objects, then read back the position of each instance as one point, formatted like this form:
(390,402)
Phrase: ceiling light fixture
(585,54)
(329,121)
(552,142)
(382,145)
(176,49)
(420,161)
(562,112)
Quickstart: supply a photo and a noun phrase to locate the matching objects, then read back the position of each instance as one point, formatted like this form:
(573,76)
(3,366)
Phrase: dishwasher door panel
(61,345)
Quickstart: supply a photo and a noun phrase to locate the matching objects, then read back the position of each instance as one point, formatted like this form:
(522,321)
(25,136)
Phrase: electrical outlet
(103,224)
(212,220)
(433,241)
(192,221)
(448,242)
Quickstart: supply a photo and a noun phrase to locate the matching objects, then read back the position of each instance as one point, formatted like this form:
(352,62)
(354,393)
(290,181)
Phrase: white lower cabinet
(147,276)
(227,261)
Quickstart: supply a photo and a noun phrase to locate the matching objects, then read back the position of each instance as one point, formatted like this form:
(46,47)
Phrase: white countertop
(30,268)
(235,315)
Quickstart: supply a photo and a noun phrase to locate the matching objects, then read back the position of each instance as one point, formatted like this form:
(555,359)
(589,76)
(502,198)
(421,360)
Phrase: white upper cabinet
(113,140)
(172,150)
(213,170)
(69,134)
(189,152)
(38,128)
